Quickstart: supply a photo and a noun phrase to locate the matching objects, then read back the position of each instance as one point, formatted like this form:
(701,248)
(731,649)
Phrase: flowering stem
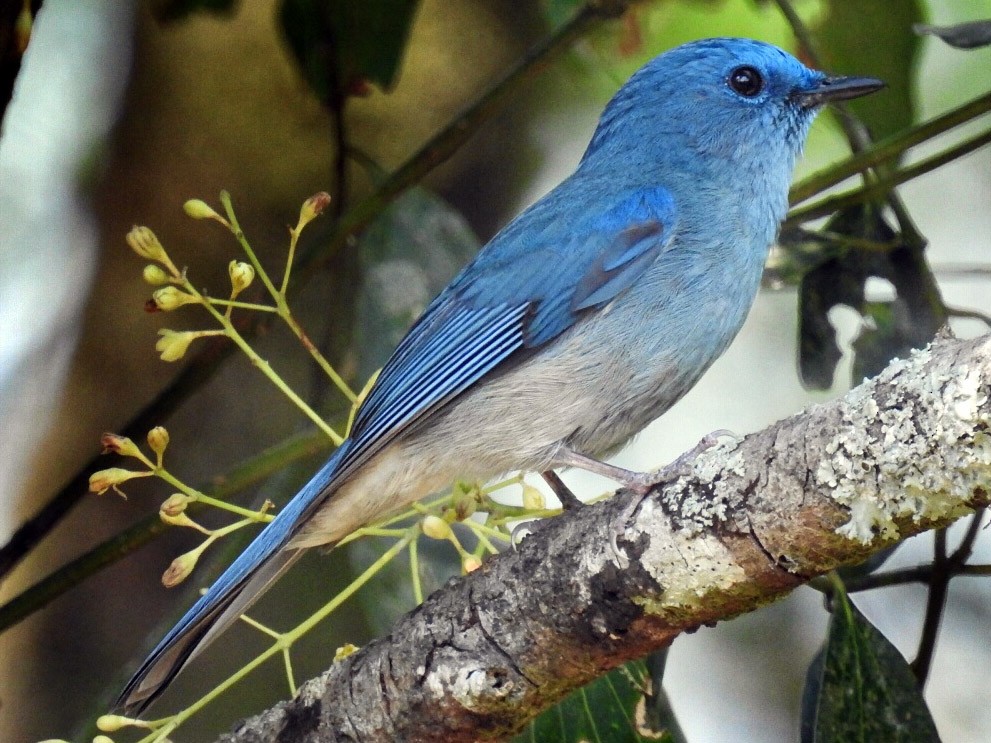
(314,352)
(242,305)
(257,516)
(482,533)
(257,360)
(196,495)
(235,228)
(279,296)
(372,531)
(293,239)
(288,638)
(414,568)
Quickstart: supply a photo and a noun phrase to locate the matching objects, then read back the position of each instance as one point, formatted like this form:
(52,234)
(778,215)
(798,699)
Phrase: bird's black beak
(831,89)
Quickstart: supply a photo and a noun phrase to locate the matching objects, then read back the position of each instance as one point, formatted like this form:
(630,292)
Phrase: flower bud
(471,564)
(169,298)
(174,505)
(199,209)
(103,739)
(180,568)
(435,527)
(112,723)
(114,444)
(158,439)
(154,275)
(533,499)
(242,274)
(173,345)
(100,482)
(143,242)
(312,208)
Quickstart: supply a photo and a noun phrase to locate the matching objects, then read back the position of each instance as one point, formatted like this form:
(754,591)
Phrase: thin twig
(938,584)
(888,149)
(969,314)
(856,133)
(966,547)
(873,191)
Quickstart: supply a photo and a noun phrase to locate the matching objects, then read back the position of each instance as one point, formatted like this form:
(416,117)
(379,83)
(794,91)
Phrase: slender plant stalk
(855,131)
(889,149)
(284,641)
(871,192)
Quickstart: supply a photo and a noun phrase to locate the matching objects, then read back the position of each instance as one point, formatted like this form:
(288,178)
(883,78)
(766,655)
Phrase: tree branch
(906,452)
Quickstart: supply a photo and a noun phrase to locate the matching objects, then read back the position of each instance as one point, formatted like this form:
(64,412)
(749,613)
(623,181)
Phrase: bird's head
(719,100)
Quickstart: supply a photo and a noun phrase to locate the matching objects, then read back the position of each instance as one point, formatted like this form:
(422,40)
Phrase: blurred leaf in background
(343,46)
(859,687)
(842,33)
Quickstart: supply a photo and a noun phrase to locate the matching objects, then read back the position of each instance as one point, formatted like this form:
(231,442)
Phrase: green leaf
(342,45)
(859,689)
(873,37)
(611,709)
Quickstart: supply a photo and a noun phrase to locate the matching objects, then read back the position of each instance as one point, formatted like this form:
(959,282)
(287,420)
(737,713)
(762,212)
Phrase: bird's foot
(642,483)
(682,465)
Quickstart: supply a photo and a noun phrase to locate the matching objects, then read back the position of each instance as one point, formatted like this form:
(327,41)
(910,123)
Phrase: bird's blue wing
(531,283)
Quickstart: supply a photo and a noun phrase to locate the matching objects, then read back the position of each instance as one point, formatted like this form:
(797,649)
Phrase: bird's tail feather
(247,578)
(178,648)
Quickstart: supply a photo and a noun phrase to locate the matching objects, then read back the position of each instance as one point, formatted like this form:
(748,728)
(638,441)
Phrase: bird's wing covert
(529,285)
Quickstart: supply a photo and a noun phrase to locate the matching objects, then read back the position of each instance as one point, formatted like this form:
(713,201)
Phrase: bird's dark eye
(746,81)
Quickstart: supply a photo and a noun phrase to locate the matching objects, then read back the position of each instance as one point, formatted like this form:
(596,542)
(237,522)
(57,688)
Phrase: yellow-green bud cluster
(180,568)
(158,439)
(155,275)
(435,527)
(533,499)
(103,480)
(113,723)
(114,444)
(312,208)
(174,505)
(199,209)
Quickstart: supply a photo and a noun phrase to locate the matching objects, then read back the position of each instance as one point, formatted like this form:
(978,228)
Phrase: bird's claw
(642,483)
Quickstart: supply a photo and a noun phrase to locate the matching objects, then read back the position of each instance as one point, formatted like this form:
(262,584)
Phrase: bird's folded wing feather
(519,293)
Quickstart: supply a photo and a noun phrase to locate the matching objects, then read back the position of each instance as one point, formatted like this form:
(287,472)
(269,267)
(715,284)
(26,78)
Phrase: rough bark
(900,454)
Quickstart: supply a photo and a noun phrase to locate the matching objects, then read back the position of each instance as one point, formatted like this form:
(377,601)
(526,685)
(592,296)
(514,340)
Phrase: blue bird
(582,321)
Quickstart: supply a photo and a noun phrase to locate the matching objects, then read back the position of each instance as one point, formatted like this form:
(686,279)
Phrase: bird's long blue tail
(247,578)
